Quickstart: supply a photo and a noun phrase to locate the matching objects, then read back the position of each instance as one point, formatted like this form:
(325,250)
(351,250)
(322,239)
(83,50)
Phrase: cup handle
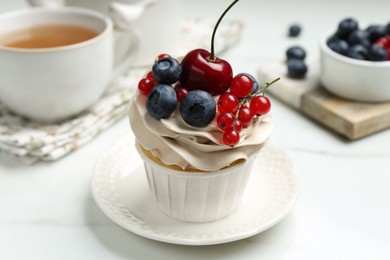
(124,17)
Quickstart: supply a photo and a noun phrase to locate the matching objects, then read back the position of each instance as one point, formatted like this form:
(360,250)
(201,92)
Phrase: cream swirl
(176,143)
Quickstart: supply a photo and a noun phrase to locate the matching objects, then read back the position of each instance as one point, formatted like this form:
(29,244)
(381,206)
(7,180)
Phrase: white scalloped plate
(120,189)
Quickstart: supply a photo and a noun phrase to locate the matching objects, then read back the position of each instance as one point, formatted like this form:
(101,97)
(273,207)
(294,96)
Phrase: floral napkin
(32,142)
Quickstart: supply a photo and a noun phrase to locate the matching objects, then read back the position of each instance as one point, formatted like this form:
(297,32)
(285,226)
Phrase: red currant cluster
(240,107)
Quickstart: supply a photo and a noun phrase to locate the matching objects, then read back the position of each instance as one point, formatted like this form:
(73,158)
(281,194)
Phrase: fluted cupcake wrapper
(197,196)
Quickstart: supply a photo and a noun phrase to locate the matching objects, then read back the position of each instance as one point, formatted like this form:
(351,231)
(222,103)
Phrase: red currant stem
(212,53)
(267,85)
(249,97)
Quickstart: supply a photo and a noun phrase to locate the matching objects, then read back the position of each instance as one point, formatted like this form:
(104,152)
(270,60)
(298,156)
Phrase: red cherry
(228,103)
(260,105)
(245,116)
(145,85)
(241,85)
(199,72)
(231,137)
(225,121)
(203,70)
(180,93)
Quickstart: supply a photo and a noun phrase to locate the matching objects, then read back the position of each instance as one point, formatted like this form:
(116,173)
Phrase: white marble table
(343,210)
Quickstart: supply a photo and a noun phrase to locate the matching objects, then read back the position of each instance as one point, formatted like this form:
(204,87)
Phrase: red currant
(161,56)
(150,75)
(231,137)
(260,105)
(145,85)
(241,85)
(245,116)
(225,121)
(383,42)
(237,126)
(228,103)
(180,93)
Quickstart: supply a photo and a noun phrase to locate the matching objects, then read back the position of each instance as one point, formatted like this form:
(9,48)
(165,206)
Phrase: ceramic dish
(353,79)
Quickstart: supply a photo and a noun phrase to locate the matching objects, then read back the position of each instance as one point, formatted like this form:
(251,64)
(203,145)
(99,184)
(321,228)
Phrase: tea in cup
(54,62)
(154,24)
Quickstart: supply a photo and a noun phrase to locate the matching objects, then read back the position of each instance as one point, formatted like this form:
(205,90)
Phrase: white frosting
(176,143)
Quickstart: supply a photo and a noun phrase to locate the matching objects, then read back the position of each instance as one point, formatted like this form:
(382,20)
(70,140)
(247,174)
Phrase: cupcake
(198,130)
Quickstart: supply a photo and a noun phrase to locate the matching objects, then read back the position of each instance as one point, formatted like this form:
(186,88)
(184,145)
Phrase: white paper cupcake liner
(197,196)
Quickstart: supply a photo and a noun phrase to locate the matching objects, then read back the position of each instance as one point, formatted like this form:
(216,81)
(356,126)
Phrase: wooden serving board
(351,119)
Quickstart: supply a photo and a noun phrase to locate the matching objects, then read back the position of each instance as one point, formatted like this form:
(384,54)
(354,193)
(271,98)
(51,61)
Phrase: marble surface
(343,211)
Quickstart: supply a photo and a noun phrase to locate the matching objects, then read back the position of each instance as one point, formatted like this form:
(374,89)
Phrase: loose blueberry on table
(296,66)
(194,84)
(371,43)
(294,30)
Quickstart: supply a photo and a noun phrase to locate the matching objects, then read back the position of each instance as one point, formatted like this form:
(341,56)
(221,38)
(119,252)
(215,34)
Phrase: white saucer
(120,188)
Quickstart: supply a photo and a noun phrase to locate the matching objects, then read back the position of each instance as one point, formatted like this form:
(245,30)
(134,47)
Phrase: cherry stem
(212,53)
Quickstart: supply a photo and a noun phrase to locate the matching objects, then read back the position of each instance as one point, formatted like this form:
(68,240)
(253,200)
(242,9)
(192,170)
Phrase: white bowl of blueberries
(355,62)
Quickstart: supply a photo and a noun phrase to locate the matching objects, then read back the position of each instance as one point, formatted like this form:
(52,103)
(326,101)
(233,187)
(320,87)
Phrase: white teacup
(51,84)
(156,23)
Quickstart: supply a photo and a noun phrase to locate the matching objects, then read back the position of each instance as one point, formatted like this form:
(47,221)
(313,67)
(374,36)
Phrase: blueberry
(338,45)
(255,86)
(166,70)
(376,32)
(346,27)
(357,52)
(296,52)
(198,108)
(359,37)
(388,29)
(294,30)
(377,53)
(296,68)
(161,101)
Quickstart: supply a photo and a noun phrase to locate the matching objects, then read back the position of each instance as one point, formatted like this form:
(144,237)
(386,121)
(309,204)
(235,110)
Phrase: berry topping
(161,101)
(296,52)
(228,103)
(241,86)
(245,116)
(146,85)
(150,75)
(294,30)
(231,137)
(161,56)
(226,121)
(193,83)
(198,108)
(180,93)
(260,105)
(167,70)
(203,70)
(296,68)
